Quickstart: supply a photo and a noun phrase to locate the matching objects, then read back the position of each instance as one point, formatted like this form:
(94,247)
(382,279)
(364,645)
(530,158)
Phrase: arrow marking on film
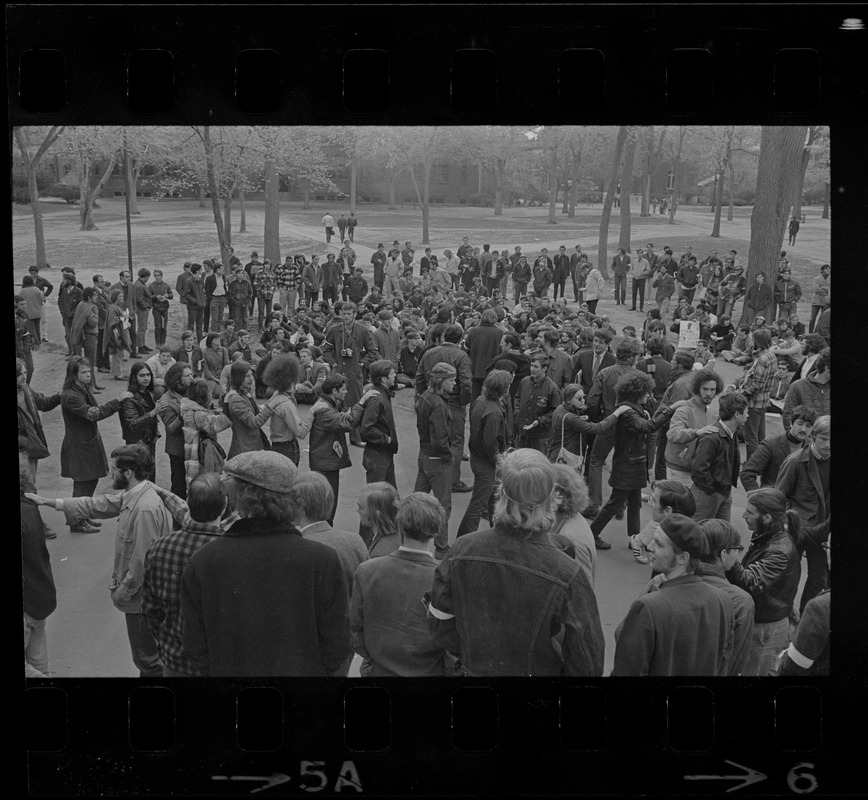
(270,780)
(750,776)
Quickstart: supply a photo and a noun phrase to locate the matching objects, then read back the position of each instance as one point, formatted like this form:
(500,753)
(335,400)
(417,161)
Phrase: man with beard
(762,468)
(142,519)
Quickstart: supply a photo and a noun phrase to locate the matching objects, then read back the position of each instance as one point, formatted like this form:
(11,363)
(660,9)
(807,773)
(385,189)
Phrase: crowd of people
(536,392)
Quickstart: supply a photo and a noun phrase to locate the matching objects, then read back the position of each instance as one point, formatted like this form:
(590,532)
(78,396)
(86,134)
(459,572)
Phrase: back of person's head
(174,374)
(282,372)
(489,316)
(628,350)
(199,392)
(206,496)
(762,339)
(312,495)
(676,496)
(683,359)
(572,490)
(524,496)
(512,339)
(730,405)
(654,346)
(381,500)
(551,337)
(496,384)
(453,334)
(632,387)
(824,360)
(419,517)
(719,535)
(437,330)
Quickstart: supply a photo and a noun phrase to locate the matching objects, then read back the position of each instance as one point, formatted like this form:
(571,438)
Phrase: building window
(443,173)
(464,173)
(117,169)
(67,168)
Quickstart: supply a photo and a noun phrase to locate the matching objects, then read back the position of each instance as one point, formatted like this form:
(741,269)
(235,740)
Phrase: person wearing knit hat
(681,625)
(499,574)
(246,602)
(433,420)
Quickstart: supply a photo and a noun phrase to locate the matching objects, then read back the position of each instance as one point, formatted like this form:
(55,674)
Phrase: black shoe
(83,527)
(600,544)
(590,513)
(461,487)
(95,522)
(633,309)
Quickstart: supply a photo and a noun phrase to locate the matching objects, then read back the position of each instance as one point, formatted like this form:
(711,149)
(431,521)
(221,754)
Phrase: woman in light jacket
(246,416)
(593,288)
(287,427)
(198,418)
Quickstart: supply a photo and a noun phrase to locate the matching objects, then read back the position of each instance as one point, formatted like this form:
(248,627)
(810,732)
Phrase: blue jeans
(711,506)
(218,303)
(143,647)
(766,644)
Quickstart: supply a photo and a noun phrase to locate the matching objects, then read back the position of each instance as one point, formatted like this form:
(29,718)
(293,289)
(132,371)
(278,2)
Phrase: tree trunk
(227,218)
(89,193)
(499,169)
(271,233)
(826,195)
(646,196)
(306,193)
(718,203)
(602,257)
(676,177)
(354,177)
(425,203)
(574,188)
(133,183)
(553,187)
(224,242)
(202,203)
(800,186)
(565,206)
(777,178)
(242,228)
(393,179)
(731,190)
(479,176)
(626,183)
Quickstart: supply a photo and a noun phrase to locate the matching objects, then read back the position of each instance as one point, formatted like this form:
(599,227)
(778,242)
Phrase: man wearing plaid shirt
(164,564)
(288,278)
(265,282)
(756,387)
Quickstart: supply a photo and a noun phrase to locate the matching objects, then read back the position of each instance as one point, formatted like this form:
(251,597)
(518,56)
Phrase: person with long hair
(569,423)
(571,498)
(247,417)
(287,427)
(378,506)
(82,454)
(199,420)
(138,412)
(499,574)
(769,573)
(115,337)
(214,358)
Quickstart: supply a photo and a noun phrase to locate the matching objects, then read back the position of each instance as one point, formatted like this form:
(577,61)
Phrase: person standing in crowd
(756,387)
(164,565)
(143,305)
(521,275)
(129,294)
(477,607)
(447,351)
(329,452)
(434,423)
(804,481)
(115,336)
(483,346)
(716,462)
(82,455)
(377,429)
(378,259)
(723,546)
(138,412)
(822,294)
(763,467)
(486,442)
(85,331)
(252,268)
(602,403)
(46,287)
(561,270)
(377,507)
(560,368)
(542,274)
(142,519)
(769,573)
(386,338)
(34,299)
(281,376)
(160,294)
(39,593)
(352,222)
(216,294)
(328,221)
(239,291)
(538,399)
(786,295)
(247,418)
(639,274)
(311,279)
(214,359)
(620,268)
(68,297)
(200,422)
(231,587)
(408,359)
(757,300)
(578,262)
(180,282)
(189,352)
(630,460)
(178,378)
(388,625)
(195,296)
(732,287)
(393,270)
(814,390)
(688,277)
(683,627)
(571,496)
(349,349)
(593,288)
(689,423)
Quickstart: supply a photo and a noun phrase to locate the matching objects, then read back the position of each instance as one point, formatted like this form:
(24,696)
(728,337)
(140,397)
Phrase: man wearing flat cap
(682,627)
(261,600)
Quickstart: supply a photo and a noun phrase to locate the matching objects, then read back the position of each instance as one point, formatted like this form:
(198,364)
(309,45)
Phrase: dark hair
(804,413)
(719,535)
(27,280)
(209,339)
(282,372)
(813,343)
(453,334)
(762,338)
(135,369)
(675,495)
(512,339)
(773,502)
(88,293)
(419,517)
(540,358)
(173,376)
(72,367)
(144,272)
(706,376)
(496,384)
(632,387)
(683,359)
(627,349)
(654,346)
(379,370)
(237,373)
(552,337)
(730,405)
(206,497)
(823,361)
(334,381)
(136,457)
(199,392)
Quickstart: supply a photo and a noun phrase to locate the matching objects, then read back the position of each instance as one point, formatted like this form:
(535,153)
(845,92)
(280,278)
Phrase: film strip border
(427,64)
(513,737)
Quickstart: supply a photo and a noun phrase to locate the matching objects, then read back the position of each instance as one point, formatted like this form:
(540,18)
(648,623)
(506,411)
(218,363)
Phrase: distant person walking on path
(794,230)
(329,222)
(351,226)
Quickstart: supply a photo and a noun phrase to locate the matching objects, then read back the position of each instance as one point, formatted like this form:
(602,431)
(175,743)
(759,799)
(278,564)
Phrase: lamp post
(127,203)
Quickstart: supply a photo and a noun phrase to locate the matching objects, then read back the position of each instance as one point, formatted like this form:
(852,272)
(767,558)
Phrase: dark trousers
(264,303)
(134,336)
(379,466)
(817,574)
(688,293)
(161,323)
(436,477)
(102,355)
(84,488)
(639,288)
(34,330)
(195,320)
(660,456)
(216,313)
(484,483)
(592,306)
(178,476)
(67,332)
(330,293)
(476,388)
(562,285)
(238,312)
(333,476)
(575,289)
(206,316)
(91,345)
(540,443)
(143,647)
(456,440)
(616,501)
(311,297)
(289,449)
(604,443)
(27,358)
(620,288)
(754,430)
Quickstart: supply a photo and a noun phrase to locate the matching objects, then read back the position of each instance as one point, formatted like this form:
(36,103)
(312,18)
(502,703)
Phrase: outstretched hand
(38,499)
